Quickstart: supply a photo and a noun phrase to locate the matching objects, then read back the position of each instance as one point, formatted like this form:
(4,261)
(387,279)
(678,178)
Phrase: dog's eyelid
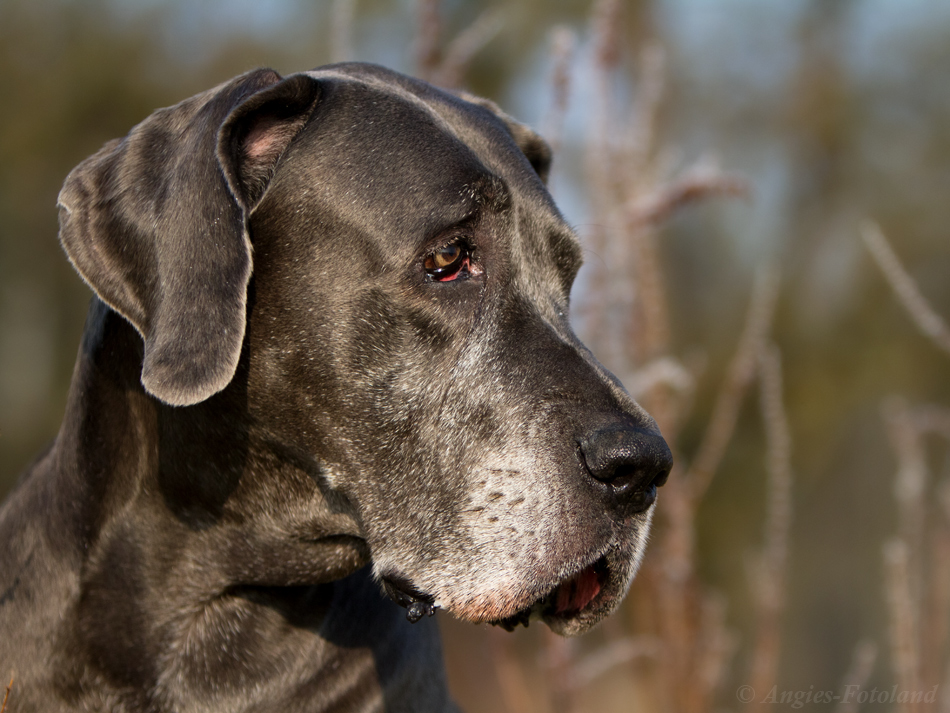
(453,258)
(460,232)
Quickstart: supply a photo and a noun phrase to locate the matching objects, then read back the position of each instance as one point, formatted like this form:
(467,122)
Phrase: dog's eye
(448,262)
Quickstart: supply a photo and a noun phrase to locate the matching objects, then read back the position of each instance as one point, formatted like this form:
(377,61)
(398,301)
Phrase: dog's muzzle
(625,466)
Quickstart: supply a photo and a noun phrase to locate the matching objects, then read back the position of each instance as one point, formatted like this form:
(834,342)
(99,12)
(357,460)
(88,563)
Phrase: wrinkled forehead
(395,156)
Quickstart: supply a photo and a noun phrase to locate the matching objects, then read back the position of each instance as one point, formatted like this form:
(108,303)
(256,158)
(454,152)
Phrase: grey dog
(327,386)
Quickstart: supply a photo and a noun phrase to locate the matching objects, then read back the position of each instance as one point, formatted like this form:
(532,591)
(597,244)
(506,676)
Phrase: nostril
(631,462)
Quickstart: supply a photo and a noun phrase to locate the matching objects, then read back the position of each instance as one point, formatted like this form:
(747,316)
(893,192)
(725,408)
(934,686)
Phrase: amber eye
(447,262)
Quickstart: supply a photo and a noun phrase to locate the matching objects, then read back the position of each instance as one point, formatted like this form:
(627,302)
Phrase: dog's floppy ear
(156,224)
(531,144)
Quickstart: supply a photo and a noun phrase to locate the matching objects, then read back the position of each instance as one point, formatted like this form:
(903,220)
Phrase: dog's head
(407,334)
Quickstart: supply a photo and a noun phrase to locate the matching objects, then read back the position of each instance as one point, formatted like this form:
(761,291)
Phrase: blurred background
(727,164)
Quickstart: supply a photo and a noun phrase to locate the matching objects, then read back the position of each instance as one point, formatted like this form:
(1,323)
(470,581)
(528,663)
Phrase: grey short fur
(286,407)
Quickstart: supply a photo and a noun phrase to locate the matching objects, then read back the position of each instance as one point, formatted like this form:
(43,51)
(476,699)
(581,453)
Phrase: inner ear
(257,133)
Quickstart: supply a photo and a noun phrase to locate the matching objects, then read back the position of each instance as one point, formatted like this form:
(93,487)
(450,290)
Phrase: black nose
(630,462)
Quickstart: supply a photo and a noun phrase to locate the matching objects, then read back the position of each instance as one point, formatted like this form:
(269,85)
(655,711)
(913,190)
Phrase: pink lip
(579,591)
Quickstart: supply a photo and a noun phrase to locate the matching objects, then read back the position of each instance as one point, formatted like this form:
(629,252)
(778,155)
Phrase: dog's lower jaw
(570,606)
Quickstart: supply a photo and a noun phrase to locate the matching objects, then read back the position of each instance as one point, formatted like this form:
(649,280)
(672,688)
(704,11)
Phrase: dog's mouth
(575,597)
(572,605)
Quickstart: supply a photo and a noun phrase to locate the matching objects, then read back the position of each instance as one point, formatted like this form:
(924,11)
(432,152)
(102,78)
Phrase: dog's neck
(135,453)
(249,510)
(241,546)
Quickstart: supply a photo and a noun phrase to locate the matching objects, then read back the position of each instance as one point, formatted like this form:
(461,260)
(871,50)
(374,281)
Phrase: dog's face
(407,332)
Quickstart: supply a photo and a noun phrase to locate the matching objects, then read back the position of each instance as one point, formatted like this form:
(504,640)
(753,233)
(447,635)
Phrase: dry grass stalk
(630,199)
(717,648)
(559,659)
(701,181)
(741,373)
(621,651)
(920,311)
(918,586)
(665,373)
(599,312)
(446,66)
(462,50)
(512,680)
(904,641)
(937,605)
(341,34)
(918,597)
(6,695)
(910,482)
(642,143)
(858,675)
(639,174)
(428,42)
(769,584)
(696,643)
(690,624)
(563,43)
(933,419)
(605,31)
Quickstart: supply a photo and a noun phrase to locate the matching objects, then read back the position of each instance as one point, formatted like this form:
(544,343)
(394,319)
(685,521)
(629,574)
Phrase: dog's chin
(570,601)
(579,601)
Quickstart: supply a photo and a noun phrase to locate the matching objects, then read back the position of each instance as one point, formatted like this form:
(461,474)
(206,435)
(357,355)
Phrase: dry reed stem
(341,30)
(559,655)
(779,442)
(512,681)
(680,601)
(933,419)
(605,28)
(677,544)
(648,328)
(6,695)
(677,599)
(919,615)
(693,645)
(602,234)
(606,24)
(460,52)
(678,605)
(666,372)
(934,634)
(616,653)
(930,596)
(769,584)
(651,88)
(904,641)
(563,48)
(702,180)
(910,481)
(427,45)
(858,675)
(717,646)
(741,372)
(920,311)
